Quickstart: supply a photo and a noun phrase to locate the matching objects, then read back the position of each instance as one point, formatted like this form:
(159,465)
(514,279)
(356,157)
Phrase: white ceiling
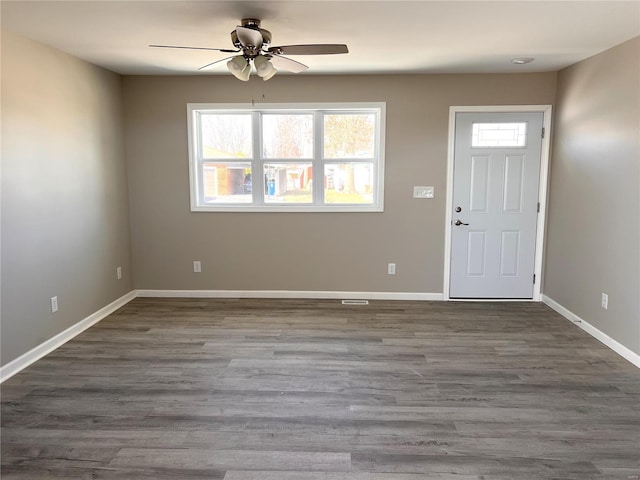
(383,36)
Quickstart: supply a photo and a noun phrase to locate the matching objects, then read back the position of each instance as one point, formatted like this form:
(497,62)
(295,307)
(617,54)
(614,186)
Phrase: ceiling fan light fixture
(252,44)
(239,67)
(264,67)
(270,74)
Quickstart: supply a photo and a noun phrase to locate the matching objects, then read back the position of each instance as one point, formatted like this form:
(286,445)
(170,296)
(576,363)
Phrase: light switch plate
(423,192)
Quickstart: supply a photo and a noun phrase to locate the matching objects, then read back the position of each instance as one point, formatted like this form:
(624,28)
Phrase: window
(286,157)
(499,134)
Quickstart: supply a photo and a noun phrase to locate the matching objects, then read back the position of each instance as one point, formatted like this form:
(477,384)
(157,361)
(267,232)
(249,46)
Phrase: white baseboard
(23,361)
(332,295)
(593,331)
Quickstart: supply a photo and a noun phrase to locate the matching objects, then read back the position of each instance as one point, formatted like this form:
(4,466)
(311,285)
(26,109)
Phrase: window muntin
(245,158)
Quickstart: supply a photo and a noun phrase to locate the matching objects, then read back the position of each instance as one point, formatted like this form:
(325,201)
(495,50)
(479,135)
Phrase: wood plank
(255,389)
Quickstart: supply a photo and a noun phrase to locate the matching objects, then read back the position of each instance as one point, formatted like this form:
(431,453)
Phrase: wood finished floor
(314,390)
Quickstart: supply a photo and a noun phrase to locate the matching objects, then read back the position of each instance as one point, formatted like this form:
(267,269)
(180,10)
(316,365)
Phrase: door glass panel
(499,134)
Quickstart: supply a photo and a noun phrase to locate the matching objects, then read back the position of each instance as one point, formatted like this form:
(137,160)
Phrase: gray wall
(593,236)
(65,225)
(290,251)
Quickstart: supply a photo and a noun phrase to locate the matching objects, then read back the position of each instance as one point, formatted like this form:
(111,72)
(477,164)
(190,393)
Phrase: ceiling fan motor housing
(251,51)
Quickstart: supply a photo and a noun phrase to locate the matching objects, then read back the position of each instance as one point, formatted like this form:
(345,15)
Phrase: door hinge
(542,132)
(538,207)
(534,278)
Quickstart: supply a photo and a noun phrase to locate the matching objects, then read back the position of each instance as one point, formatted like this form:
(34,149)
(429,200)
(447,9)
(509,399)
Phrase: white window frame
(257,162)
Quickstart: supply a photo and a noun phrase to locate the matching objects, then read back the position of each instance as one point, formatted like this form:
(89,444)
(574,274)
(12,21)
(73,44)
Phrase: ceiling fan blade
(284,63)
(213,63)
(223,50)
(317,49)
(249,36)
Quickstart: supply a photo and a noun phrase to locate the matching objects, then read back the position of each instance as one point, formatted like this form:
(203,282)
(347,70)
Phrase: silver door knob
(458,222)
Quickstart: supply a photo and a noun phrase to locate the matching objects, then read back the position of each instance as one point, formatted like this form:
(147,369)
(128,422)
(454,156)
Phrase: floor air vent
(355,302)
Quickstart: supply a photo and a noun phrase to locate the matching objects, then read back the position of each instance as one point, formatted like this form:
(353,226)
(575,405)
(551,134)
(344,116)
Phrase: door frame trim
(542,189)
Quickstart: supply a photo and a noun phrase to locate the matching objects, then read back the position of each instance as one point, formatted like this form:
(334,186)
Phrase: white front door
(496,178)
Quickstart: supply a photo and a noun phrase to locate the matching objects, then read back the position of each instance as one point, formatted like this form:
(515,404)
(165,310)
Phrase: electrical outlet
(605,301)
(197,266)
(119,273)
(391,269)
(54,304)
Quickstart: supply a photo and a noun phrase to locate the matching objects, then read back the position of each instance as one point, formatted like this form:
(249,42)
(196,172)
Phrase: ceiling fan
(252,44)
